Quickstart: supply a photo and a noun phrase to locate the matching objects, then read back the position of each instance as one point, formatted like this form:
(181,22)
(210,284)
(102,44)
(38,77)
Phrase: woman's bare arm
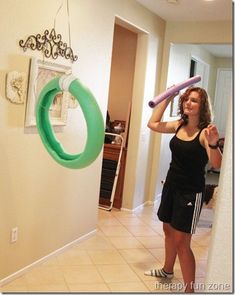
(211,136)
(155,122)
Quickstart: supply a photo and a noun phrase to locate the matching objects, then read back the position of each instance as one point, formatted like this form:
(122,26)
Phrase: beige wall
(122,72)
(52,206)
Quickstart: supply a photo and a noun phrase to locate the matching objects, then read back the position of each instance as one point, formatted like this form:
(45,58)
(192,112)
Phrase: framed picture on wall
(41,72)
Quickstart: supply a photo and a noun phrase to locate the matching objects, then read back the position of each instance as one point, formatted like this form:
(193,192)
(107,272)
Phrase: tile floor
(114,260)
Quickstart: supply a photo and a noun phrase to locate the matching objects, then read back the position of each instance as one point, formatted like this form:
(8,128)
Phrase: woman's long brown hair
(205,111)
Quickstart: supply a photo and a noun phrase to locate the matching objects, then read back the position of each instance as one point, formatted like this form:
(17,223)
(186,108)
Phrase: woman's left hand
(212,134)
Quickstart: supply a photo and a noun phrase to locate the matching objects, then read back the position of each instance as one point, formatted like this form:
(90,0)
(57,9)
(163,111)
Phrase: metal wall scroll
(50,44)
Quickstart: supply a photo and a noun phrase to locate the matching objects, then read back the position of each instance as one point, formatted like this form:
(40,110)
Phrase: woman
(194,143)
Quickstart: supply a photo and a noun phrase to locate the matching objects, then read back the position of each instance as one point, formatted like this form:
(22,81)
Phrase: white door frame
(205,74)
(221,100)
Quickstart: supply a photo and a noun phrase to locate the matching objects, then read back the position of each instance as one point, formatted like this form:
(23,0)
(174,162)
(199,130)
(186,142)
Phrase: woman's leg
(170,255)
(170,249)
(187,261)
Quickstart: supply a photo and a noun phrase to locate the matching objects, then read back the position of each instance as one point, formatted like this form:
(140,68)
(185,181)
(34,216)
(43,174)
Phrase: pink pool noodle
(172,90)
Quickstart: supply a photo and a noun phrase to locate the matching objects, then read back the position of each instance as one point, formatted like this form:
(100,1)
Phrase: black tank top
(188,162)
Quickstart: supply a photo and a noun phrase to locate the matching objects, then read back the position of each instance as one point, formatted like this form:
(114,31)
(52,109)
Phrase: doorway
(122,72)
(118,117)
(134,188)
(201,68)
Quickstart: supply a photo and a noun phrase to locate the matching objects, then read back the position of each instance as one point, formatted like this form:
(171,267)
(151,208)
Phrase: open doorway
(133,188)
(201,68)
(118,117)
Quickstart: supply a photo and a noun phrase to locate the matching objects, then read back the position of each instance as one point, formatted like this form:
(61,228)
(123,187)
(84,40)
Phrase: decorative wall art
(41,72)
(16,87)
(50,44)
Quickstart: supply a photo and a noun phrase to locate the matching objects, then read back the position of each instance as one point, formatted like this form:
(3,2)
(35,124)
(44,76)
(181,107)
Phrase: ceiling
(194,11)
(219,50)
(190,10)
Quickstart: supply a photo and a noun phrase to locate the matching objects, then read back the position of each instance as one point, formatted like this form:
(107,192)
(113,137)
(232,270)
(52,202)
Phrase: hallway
(115,258)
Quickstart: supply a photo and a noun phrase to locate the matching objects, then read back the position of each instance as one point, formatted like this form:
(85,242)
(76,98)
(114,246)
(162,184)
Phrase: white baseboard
(45,258)
(132,210)
(145,204)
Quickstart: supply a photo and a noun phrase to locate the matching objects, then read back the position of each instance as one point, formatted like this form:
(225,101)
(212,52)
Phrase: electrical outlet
(14,234)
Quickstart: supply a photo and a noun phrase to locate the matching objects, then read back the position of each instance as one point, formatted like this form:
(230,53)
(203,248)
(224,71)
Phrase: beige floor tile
(159,254)
(108,221)
(137,255)
(116,231)
(18,285)
(96,242)
(50,261)
(74,257)
(99,233)
(125,245)
(157,227)
(147,219)
(82,274)
(140,268)
(89,288)
(12,288)
(117,273)
(16,289)
(141,230)
(125,242)
(131,221)
(44,275)
(48,288)
(20,281)
(104,214)
(120,214)
(106,257)
(149,215)
(128,287)
(152,242)
(147,210)
(177,271)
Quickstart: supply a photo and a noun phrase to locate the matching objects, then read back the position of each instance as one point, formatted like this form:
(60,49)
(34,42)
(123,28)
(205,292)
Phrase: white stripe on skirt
(196,212)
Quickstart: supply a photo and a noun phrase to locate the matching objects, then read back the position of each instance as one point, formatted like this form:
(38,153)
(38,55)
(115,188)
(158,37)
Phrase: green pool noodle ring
(93,117)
